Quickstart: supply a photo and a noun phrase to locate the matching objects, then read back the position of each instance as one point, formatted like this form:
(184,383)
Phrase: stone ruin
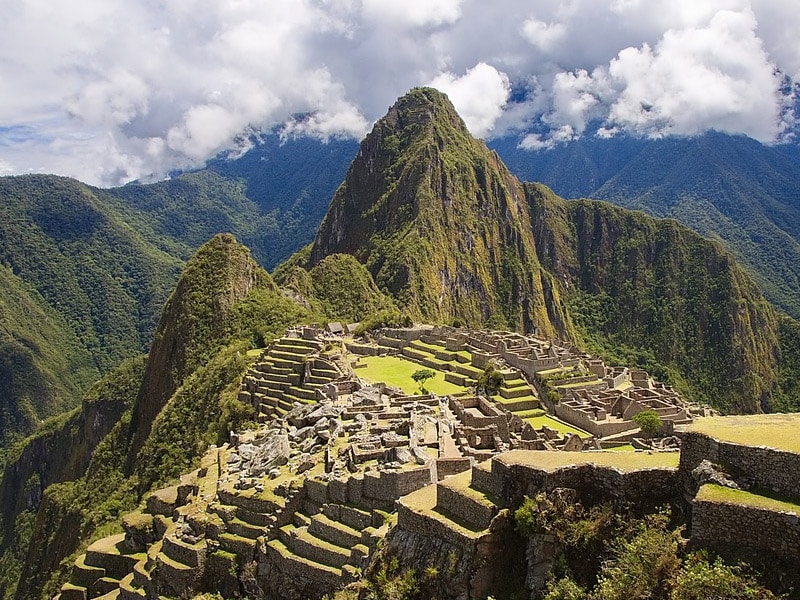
(296,508)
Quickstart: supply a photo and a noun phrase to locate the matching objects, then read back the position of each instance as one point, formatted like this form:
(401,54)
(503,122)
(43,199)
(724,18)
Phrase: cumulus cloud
(710,71)
(479,96)
(129,89)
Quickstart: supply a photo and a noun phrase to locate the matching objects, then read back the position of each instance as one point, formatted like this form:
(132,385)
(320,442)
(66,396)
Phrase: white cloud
(543,35)
(479,96)
(414,13)
(135,88)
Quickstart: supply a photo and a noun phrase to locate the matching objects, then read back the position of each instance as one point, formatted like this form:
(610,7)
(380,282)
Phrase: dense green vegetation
(725,187)
(652,293)
(80,292)
(436,219)
(604,553)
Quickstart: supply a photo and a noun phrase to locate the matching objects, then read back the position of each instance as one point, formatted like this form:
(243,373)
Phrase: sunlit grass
(396,372)
(775,430)
(717,493)
(559,426)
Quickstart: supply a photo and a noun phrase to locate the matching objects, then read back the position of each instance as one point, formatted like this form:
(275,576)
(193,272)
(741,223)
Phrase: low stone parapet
(740,525)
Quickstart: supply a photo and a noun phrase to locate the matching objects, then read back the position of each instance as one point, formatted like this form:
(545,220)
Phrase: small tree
(490,380)
(649,422)
(421,377)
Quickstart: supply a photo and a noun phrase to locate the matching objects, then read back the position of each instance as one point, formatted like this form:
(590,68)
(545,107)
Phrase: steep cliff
(440,223)
(654,287)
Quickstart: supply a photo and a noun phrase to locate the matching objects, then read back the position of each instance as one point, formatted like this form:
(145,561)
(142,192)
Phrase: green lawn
(624,461)
(717,493)
(556,424)
(623,448)
(396,371)
(775,430)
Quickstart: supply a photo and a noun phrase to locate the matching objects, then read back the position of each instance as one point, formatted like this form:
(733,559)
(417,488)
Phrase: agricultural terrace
(560,426)
(717,493)
(775,431)
(622,461)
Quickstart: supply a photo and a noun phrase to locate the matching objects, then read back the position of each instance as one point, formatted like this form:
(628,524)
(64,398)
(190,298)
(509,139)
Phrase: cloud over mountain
(124,89)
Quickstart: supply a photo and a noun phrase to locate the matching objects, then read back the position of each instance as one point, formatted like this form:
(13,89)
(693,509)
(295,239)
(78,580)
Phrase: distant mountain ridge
(726,187)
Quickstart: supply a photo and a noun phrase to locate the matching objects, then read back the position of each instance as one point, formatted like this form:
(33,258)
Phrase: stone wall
(580,419)
(724,526)
(767,468)
(477,514)
(451,466)
(658,484)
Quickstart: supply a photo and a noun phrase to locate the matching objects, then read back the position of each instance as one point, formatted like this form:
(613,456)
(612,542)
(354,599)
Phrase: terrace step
(334,532)
(141,575)
(301,392)
(243,529)
(70,591)
(128,590)
(112,555)
(192,555)
(103,586)
(351,516)
(515,392)
(464,503)
(178,576)
(241,546)
(290,358)
(85,575)
(304,567)
(520,404)
(307,545)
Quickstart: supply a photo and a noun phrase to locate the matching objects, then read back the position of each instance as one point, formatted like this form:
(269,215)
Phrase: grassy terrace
(717,493)
(558,425)
(776,431)
(623,461)
(396,371)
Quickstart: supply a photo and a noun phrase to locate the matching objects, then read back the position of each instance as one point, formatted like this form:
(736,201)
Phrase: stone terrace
(757,507)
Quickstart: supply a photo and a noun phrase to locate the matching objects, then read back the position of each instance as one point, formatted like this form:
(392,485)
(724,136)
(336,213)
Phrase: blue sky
(113,90)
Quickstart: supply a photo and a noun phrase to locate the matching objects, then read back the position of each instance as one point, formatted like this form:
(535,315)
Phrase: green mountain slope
(440,223)
(725,187)
(445,229)
(652,291)
(80,290)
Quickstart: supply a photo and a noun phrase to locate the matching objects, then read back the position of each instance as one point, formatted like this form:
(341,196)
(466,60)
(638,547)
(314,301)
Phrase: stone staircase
(458,509)
(290,370)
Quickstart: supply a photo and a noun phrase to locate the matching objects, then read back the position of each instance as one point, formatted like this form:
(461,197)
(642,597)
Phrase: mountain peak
(428,209)
(423,106)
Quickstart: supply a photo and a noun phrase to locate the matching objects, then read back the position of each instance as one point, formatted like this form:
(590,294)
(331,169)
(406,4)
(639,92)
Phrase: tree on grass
(649,422)
(490,380)
(421,377)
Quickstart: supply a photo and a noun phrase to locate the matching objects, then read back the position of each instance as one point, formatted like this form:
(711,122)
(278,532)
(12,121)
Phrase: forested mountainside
(81,290)
(84,272)
(725,187)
